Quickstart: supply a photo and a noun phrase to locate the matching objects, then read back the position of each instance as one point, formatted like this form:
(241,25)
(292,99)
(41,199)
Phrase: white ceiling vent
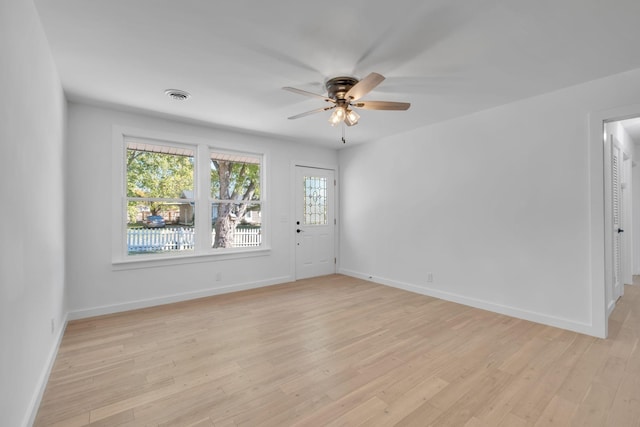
(177,95)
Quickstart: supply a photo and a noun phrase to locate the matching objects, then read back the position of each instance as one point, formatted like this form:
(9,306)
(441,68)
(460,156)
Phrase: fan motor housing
(337,87)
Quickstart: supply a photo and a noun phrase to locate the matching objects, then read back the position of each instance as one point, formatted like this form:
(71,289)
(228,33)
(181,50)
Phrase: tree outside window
(235,198)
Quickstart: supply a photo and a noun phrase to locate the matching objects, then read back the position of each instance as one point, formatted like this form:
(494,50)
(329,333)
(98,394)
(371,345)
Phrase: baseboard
(34,405)
(610,307)
(544,319)
(168,299)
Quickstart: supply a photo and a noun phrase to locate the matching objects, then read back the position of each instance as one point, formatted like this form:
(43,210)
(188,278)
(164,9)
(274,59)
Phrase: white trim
(596,225)
(34,404)
(163,260)
(532,316)
(168,299)
(610,144)
(610,307)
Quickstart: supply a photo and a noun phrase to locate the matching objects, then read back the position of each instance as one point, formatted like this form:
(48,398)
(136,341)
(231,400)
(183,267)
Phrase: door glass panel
(315,200)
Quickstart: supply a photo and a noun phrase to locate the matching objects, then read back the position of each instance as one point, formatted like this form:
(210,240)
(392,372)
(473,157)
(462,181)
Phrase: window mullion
(158,199)
(203,205)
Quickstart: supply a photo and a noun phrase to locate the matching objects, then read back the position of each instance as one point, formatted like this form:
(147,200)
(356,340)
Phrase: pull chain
(344,141)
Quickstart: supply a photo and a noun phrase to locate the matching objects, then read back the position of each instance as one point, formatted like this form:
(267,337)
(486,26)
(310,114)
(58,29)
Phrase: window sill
(169,259)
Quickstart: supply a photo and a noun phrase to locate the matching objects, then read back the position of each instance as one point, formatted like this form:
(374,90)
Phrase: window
(235,200)
(159,198)
(189,200)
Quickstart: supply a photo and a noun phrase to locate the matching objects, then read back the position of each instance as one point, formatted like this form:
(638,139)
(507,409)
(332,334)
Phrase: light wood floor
(338,351)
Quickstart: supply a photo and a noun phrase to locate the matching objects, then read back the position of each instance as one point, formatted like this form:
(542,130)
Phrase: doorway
(315,222)
(618,174)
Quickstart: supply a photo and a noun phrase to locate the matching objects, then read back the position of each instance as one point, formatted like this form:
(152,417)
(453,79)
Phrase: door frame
(291,220)
(627,198)
(597,242)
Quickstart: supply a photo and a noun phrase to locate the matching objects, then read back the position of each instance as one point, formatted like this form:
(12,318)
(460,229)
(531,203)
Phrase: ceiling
(447,57)
(632,126)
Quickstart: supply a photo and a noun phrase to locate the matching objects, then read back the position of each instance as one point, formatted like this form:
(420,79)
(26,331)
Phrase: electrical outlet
(430,277)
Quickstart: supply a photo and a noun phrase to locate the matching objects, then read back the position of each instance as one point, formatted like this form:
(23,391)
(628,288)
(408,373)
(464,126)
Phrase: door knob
(620,230)
(299,231)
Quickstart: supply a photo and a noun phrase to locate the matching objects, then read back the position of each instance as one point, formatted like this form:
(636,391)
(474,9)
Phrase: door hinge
(334,182)
(335,261)
(334,221)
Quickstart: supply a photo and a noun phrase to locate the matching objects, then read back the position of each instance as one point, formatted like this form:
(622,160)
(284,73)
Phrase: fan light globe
(337,116)
(351,118)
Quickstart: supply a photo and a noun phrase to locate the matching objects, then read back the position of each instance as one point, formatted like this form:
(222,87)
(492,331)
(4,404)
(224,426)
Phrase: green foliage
(132,213)
(158,175)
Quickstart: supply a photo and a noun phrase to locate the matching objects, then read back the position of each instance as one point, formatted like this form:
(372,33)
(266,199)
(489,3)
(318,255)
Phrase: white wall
(94,286)
(32,242)
(499,206)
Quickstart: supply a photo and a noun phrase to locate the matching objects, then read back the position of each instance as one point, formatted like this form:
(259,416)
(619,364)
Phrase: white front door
(314,222)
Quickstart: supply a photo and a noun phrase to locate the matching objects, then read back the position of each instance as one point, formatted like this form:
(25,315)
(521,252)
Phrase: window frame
(203,250)
(128,198)
(212,200)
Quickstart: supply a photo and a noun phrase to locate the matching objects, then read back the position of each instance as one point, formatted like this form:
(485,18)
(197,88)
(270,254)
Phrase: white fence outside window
(147,240)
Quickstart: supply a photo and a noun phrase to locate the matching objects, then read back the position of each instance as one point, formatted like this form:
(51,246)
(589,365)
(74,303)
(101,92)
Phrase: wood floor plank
(337,350)
(595,407)
(582,373)
(625,410)
(359,415)
(558,412)
(511,421)
(413,405)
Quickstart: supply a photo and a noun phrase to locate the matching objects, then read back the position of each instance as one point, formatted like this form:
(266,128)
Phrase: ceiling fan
(344,93)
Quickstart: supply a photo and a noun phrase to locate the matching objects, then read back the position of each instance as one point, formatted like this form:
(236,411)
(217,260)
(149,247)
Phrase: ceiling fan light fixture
(351,118)
(337,116)
(344,94)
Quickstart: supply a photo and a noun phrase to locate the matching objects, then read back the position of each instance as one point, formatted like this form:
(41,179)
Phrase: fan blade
(382,105)
(308,113)
(304,92)
(364,86)
(435,23)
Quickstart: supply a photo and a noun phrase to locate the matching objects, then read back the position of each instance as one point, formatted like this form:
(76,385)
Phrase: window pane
(155,171)
(154,227)
(236,225)
(315,200)
(235,177)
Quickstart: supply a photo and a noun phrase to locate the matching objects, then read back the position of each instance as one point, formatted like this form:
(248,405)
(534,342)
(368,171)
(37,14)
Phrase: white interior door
(616,216)
(315,222)
(614,249)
